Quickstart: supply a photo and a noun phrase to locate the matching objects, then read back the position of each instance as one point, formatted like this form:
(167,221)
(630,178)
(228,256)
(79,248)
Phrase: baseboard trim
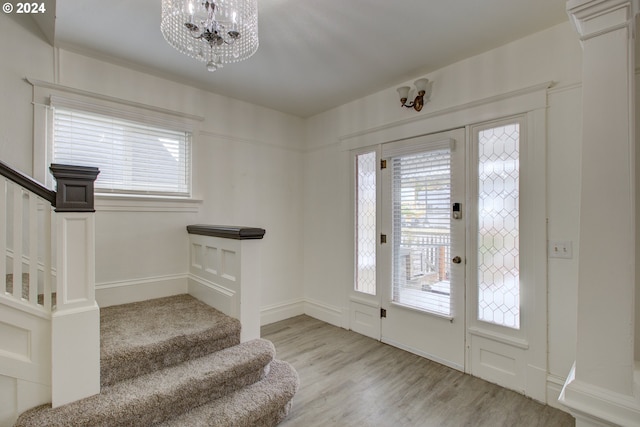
(127,291)
(423,354)
(277,312)
(216,296)
(329,314)
(536,383)
(115,293)
(335,316)
(593,405)
(554,388)
(19,396)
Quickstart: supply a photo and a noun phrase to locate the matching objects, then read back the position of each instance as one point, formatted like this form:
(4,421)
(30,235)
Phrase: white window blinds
(133,157)
(421,189)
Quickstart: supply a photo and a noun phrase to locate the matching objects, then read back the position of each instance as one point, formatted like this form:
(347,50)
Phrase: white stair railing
(65,296)
(26,274)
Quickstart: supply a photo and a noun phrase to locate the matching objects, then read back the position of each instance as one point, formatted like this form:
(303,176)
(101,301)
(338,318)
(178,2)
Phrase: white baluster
(46,253)
(17,242)
(3,234)
(33,248)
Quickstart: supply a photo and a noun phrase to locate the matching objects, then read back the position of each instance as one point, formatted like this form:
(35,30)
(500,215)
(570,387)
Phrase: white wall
(16,113)
(258,167)
(637,324)
(247,168)
(246,172)
(563,202)
(551,55)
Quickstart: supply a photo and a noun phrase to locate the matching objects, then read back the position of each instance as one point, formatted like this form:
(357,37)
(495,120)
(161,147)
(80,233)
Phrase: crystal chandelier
(216,32)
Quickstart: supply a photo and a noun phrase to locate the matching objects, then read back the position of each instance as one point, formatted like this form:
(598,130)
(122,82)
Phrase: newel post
(75,322)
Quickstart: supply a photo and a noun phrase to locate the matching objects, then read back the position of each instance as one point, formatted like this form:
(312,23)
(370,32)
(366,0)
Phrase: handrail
(35,222)
(28,183)
(227,231)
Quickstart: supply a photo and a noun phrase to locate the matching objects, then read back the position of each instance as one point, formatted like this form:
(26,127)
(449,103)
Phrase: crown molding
(592,18)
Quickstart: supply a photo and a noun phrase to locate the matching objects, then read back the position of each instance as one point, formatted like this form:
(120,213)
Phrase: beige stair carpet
(176,361)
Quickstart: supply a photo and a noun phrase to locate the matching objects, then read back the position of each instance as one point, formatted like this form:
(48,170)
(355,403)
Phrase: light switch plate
(560,249)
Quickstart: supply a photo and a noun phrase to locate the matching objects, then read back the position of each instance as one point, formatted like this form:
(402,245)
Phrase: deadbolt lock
(456,260)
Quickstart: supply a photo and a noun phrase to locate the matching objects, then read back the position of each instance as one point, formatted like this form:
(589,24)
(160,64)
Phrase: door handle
(456,260)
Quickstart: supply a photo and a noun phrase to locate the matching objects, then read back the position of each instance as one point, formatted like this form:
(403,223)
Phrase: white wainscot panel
(365,319)
(229,265)
(15,342)
(25,352)
(499,363)
(211,260)
(196,256)
(215,275)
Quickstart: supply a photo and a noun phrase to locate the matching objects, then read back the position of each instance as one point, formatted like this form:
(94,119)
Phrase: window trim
(473,226)
(103,104)
(373,299)
(530,102)
(533,231)
(126,133)
(354,188)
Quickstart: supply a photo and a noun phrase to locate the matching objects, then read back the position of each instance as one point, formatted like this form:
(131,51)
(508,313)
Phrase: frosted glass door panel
(498,226)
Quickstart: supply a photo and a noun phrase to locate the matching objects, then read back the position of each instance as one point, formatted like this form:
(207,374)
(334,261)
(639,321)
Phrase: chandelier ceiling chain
(213,31)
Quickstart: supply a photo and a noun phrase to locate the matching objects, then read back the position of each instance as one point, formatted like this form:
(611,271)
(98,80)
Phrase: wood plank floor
(347,379)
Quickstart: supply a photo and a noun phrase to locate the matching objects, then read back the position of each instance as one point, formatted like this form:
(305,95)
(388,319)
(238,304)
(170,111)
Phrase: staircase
(175,361)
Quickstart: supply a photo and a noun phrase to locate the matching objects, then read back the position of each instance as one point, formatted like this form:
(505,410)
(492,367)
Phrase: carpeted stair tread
(141,337)
(160,395)
(264,403)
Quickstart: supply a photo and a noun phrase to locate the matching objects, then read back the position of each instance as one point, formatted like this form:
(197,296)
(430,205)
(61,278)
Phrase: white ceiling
(313,54)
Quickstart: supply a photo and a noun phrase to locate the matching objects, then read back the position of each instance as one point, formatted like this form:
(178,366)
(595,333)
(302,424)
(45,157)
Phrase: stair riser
(171,358)
(138,412)
(141,362)
(161,395)
(143,337)
(261,404)
(165,407)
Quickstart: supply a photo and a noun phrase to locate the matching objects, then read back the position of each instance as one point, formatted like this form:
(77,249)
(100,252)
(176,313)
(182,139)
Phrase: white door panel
(468,288)
(422,289)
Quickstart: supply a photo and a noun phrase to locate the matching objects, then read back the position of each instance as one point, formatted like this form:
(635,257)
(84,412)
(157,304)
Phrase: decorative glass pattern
(421,231)
(366,223)
(498,226)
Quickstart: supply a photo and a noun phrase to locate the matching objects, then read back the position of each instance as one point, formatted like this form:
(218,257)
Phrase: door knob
(456,260)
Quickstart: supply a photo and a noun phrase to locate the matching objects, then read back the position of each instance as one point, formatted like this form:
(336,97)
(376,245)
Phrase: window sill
(135,203)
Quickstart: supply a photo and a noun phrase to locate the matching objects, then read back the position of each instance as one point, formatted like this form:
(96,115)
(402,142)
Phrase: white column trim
(600,389)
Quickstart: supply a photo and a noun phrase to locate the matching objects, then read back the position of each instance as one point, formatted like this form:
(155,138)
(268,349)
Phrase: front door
(422,263)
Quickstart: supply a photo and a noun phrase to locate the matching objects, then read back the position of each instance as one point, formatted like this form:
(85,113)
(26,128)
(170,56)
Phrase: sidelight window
(366,191)
(498,235)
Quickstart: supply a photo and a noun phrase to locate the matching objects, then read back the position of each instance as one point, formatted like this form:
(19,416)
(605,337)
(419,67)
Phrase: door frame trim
(530,101)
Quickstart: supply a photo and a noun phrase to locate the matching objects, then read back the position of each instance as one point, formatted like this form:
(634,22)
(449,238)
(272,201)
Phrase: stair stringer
(25,359)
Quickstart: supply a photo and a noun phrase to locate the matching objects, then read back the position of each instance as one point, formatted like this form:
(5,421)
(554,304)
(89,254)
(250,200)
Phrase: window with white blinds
(133,157)
(421,191)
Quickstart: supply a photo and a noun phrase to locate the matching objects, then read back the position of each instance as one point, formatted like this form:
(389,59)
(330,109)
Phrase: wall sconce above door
(423,87)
